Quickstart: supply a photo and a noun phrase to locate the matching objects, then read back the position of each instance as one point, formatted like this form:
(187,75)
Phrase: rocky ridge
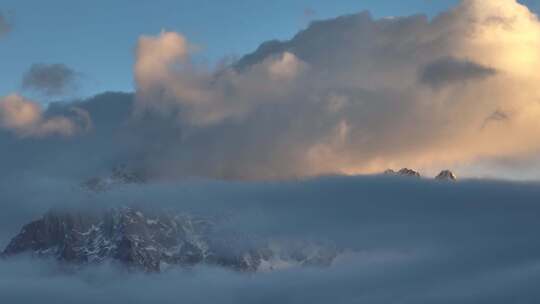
(445,175)
(155,242)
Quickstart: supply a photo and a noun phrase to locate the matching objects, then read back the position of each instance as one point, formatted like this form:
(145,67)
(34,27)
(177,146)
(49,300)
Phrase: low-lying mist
(403,239)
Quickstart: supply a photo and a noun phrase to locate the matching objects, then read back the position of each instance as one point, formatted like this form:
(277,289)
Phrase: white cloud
(287,67)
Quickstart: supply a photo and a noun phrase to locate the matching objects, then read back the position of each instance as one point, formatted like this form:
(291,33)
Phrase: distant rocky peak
(402,172)
(446,175)
(408,172)
(390,172)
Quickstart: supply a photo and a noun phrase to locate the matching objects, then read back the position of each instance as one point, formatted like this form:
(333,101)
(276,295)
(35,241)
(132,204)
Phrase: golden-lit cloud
(27,119)
(355,95)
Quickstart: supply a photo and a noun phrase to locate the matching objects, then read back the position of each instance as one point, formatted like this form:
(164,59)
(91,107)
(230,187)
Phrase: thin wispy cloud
(5,25)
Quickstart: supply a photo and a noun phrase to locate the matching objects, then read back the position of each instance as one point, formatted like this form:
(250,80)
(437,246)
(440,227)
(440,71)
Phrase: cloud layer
(422,242)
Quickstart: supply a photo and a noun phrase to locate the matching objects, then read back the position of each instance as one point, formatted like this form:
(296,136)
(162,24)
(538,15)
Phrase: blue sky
(97,38)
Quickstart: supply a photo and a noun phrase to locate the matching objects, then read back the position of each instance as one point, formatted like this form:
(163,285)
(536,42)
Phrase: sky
(97,38)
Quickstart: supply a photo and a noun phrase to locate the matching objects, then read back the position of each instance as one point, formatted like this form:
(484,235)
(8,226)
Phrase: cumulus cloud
(347,95)
(340,95)
(50,79)
(26,118)
(169,83)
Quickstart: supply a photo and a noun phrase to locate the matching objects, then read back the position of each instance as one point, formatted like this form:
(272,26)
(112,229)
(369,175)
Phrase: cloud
(339,96)
(342,96)
(424,241)
(50,79)
(170,84)
(5,26)
(26,119)
(451,70)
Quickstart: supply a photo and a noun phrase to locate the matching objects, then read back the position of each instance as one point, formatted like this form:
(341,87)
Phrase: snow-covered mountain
(155,242)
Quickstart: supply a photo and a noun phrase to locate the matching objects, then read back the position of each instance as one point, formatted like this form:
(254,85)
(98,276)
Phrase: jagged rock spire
(446,175)
(408,172)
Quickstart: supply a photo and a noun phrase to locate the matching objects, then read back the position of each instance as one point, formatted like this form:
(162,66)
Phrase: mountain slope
(155,242)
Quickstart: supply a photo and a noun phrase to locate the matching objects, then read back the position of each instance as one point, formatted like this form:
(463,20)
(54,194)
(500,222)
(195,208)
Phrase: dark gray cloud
(451,70)
(50,79)
(5,25)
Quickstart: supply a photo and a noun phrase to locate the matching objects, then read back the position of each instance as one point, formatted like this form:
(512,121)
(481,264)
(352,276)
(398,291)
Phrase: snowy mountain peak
(154,242)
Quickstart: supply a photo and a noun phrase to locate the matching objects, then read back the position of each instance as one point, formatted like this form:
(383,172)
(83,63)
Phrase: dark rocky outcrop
(402,172)
(408,172)
(446,175)
(154,242)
